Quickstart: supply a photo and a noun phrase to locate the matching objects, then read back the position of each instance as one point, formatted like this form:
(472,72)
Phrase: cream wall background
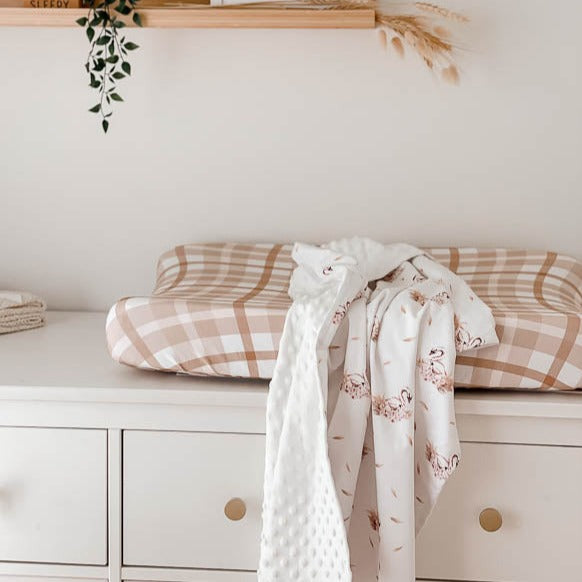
(284,135)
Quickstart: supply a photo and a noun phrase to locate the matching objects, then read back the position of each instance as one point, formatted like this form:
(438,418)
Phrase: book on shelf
(53,3)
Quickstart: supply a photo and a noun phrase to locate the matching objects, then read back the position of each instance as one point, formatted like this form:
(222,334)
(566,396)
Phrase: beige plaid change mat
(219,310)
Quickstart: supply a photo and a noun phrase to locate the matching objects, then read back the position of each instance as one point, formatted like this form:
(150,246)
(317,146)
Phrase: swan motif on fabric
(442,466)
(463,339)
(394,408)
(434,370)
(355,385)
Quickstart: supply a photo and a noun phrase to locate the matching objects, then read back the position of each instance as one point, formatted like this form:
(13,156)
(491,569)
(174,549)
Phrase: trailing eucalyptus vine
(107,59)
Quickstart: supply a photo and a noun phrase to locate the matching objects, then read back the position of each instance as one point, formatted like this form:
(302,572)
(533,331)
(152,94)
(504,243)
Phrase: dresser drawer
(535,490)
(53,495)
(176,486)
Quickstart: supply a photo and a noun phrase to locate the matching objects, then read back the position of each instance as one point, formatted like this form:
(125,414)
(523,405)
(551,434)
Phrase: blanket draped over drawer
(361,431)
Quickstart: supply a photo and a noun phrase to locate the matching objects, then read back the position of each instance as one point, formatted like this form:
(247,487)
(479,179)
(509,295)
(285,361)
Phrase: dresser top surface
(67,360)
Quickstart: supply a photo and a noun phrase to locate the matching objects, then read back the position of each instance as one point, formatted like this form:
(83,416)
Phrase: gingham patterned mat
(219,310)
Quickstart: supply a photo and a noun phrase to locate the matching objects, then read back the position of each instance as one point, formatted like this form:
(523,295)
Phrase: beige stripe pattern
(219,310)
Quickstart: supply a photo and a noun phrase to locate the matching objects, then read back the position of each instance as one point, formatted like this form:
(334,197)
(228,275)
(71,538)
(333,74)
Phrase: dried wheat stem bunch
(440,11)
(417,31)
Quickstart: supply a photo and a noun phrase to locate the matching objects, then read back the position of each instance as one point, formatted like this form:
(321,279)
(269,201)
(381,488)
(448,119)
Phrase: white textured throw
(20,310)
(361,431)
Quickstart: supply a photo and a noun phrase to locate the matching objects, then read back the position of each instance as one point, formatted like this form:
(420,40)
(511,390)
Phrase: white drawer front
(175,488)
(536,489)
(53,495)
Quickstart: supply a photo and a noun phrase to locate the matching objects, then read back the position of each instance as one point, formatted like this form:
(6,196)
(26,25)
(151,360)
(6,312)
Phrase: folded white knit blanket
(20,310)
(361,431)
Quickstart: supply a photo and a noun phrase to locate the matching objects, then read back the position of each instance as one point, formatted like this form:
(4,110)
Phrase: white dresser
(110,473)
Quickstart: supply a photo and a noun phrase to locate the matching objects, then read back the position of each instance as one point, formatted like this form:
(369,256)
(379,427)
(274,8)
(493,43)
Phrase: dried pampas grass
(430,40)
(442,31)
(383,38)
(397,46)
(451,75)
(440,11)
(416,33)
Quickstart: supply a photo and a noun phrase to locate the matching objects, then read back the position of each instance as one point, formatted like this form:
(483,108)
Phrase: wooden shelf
(201,17)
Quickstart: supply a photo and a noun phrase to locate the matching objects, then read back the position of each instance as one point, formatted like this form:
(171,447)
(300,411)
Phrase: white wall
(284,135)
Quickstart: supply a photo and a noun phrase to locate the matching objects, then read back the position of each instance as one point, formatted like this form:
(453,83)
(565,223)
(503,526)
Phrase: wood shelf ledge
(201,17)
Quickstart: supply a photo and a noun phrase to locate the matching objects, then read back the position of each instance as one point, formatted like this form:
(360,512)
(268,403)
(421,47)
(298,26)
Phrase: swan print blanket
(361,433)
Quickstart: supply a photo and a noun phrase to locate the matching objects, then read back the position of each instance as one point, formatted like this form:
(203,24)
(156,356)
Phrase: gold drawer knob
(490,519)
(235,509)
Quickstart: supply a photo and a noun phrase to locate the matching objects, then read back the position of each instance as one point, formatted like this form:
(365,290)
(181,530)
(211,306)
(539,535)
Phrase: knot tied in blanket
(361,433)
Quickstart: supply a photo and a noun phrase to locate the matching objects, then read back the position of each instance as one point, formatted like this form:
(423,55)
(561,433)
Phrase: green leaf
(117,75)
(105,125)
(137,19)
(95,108)
(112,59)
(103,40)
(126,67)
(131,46)
(115,97)
(123,9)
(94,82)
(82,21)
(118,24)
(90,33)
(111,48)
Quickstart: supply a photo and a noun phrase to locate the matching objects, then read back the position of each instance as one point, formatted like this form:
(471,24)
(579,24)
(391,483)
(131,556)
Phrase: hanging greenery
(419,29)
(107,61)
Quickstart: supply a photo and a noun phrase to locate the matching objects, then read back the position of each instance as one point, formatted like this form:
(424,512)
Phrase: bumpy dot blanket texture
(361,433)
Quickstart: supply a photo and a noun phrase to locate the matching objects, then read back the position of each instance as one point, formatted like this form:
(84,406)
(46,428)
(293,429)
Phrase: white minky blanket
(361,433)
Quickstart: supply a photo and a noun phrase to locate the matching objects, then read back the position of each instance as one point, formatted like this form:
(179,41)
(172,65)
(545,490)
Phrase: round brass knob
(235,509)
(490,519)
